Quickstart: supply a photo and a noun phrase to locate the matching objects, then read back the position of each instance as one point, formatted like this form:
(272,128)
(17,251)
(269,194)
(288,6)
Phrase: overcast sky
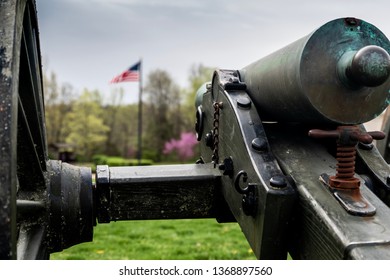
(88,42)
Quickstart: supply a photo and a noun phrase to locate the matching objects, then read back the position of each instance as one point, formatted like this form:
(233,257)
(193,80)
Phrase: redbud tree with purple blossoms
(183,147)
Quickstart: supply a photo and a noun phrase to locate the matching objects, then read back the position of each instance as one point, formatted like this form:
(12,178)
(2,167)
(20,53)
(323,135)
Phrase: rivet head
(259,144)
(209,140)
(278,181)
(244,102)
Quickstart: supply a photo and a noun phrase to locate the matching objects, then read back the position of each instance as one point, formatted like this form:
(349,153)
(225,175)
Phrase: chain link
(215,158)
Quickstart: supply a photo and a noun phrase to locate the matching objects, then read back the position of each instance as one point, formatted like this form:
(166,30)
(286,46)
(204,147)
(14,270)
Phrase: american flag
(129,75)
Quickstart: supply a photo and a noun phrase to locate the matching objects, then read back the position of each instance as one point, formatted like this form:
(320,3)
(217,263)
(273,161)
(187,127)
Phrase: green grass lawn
(163,240)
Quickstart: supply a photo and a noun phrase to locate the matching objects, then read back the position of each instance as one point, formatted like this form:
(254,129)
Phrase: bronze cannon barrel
(337,74)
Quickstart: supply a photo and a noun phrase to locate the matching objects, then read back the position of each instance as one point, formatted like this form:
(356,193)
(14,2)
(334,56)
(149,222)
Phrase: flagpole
(139,154)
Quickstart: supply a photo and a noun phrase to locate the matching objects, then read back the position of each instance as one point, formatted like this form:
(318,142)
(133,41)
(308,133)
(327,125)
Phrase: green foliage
(58,102)
(199,75)
(84,125)
(123,122)
(203,239)
(119,161)
(111,127)
(150,154)
(164,118)
(99,159)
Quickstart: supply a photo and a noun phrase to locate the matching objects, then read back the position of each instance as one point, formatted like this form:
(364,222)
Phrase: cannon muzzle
(337,74)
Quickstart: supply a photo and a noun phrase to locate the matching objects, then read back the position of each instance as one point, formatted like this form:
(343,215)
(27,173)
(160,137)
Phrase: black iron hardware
(249,200)
(344,185)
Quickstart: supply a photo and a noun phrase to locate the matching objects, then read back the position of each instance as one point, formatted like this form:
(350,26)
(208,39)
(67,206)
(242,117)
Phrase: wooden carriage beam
(159,192)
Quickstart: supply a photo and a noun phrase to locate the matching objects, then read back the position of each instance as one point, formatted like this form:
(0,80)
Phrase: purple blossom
(184,147)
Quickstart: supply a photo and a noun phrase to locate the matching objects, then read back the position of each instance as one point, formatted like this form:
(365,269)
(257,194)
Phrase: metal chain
(215,157)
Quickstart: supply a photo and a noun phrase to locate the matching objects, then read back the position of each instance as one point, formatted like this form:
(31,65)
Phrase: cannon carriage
(283,153)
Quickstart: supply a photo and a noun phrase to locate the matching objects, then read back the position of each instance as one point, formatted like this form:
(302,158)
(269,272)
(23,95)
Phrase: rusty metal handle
(377,135)
(348,135)
(319,133)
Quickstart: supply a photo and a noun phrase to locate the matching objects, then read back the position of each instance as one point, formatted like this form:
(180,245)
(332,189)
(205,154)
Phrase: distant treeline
(93,127)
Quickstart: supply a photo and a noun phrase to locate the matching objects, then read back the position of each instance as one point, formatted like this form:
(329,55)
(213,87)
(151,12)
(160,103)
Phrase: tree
(184,147)
(58,102)
(123,123)
(163,120)
(84,125)
(199,74)
(110,119)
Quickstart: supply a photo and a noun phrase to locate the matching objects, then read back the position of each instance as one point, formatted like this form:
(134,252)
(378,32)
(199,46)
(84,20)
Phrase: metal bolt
(259,144)
(209,140)
(244,103)
(227,166)
(278,181)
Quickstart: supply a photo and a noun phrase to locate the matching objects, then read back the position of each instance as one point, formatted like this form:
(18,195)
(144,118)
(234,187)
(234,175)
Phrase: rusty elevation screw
(347,138)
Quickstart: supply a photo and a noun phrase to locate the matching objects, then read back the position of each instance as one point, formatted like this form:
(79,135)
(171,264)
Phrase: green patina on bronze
(306,81)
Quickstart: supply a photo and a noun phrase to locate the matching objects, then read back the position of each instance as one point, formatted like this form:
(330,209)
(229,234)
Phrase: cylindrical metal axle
(337,74)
